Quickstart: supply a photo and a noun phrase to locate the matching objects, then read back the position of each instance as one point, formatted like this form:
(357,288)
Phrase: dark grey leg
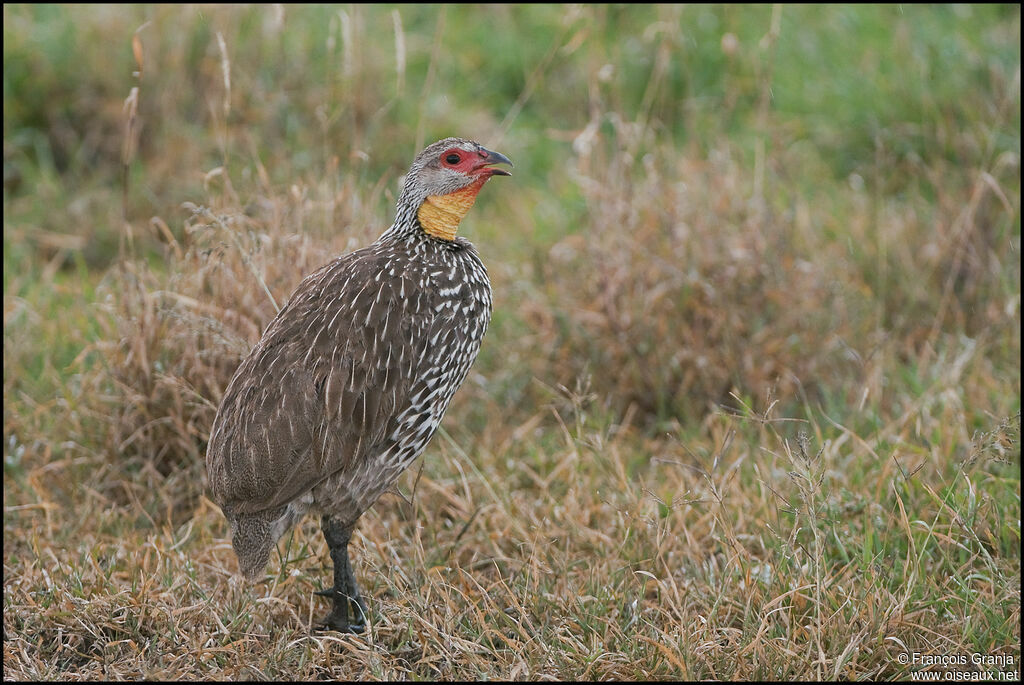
(349,612)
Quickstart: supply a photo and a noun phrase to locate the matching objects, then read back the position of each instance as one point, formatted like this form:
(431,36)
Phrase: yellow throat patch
(440,215)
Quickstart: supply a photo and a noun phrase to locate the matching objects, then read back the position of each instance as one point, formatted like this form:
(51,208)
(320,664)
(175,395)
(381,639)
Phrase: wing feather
(322,389)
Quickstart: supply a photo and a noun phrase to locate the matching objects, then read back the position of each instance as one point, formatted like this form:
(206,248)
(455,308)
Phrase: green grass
(749,406)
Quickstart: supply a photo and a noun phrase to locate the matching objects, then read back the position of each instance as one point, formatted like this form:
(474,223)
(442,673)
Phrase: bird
(350,380)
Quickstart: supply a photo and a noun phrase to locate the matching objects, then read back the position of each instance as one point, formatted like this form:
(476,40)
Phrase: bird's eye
(453,158)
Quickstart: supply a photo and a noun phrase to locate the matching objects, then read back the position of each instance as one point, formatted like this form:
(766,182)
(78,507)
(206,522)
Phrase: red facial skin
(472,164)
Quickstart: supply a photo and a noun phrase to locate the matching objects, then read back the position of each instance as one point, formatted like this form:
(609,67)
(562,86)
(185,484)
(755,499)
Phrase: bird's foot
(338,621)
(348,614)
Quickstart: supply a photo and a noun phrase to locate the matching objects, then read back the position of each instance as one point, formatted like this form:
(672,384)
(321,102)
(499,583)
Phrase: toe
(340,624)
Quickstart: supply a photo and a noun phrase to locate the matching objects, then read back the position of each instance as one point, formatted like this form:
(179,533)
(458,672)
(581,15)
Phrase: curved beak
(489,157)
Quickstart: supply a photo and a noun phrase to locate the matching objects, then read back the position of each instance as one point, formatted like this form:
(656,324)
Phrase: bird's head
(444,180)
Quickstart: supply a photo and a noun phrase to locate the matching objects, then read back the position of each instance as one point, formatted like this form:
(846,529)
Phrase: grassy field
(749,406)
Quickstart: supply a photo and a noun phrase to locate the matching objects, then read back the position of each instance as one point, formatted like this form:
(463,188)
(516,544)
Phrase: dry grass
(597,557)
(758,298)
(736,418)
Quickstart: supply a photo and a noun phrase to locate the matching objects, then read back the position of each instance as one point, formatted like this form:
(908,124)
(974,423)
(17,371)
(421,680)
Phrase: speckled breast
(446,313)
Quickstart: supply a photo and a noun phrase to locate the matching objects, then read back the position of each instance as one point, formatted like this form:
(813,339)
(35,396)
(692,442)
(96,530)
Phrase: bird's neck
(431,217)
(440,215)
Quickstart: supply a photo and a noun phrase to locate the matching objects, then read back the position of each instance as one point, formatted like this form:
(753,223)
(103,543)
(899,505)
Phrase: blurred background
(774,222)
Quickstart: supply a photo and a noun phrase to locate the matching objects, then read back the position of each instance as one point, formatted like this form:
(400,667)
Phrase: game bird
(351,379)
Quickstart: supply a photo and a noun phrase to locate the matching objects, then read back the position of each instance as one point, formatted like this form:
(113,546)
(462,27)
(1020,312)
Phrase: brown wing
(321,390)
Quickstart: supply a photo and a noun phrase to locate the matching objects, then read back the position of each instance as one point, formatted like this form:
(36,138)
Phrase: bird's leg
(349,612)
